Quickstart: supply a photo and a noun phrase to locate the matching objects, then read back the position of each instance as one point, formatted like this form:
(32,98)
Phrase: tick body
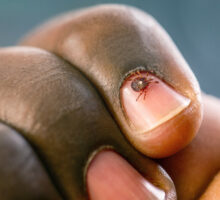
(141,83)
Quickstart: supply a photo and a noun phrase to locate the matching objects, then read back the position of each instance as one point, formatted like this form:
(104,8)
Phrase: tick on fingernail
(141,84)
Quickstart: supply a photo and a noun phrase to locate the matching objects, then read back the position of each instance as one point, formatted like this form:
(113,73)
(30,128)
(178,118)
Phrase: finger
(193,168)
(111,177)
(114,46)
(61,115)
(22,174)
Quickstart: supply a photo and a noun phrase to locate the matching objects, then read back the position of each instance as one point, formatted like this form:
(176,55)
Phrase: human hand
(76,105)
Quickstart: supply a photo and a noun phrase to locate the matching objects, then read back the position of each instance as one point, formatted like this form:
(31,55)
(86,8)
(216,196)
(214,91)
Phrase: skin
(107,43)
(60,113)
(200,158)
(19,166)
(55,130)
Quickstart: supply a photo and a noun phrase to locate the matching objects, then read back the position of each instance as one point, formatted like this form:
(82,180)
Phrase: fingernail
(111,177)
(148,102)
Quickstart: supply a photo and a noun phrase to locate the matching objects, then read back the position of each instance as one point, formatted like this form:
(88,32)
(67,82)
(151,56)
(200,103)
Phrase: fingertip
(111,177)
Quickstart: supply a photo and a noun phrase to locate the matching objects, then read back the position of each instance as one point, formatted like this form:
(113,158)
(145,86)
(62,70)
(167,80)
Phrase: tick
(141,84)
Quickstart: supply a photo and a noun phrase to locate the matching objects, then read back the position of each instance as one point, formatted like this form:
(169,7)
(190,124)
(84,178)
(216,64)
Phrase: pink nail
(148,102)
(111,177)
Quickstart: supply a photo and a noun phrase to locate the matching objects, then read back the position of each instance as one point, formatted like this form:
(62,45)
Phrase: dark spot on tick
(139,84)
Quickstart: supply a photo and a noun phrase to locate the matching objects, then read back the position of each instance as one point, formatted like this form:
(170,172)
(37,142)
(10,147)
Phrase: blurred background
(193,25)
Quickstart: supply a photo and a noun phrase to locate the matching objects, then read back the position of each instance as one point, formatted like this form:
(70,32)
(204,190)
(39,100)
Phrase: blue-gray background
(194,25)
